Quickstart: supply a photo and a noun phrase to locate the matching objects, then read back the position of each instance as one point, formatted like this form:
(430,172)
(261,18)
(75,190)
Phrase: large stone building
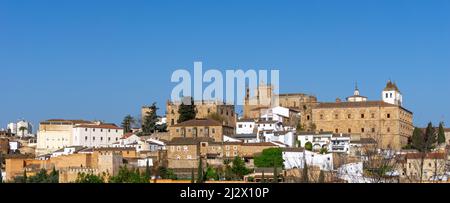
(183,154)
(386,121)
(56,134)
(204,109)
(97,161)
(200,128)
(264,98)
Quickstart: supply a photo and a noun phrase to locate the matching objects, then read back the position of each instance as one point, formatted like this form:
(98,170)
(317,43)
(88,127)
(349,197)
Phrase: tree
(239,168)
(322,177)
(211,174)
(53,176)
(187,112)
(126,175)
(89,178)
(127,123)
(150,119)
(417,140)
(200,171)
(43,177)
(305,175)
(23,129)
(441,134)
(275,174)
(323,150)
(148,171)
(215,116)
(192,176)
(271,157)
(263,178)
(309,146)
(166,173)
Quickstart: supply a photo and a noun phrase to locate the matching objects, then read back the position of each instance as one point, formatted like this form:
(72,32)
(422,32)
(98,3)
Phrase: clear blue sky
(89,59)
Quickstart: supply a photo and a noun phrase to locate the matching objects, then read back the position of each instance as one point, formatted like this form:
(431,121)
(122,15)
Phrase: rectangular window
(349,130)
(362,115)
(373,130)
(349,116)
(388,115)
(362,130)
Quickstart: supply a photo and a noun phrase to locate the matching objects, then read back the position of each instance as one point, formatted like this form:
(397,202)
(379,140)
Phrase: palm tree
(23,129)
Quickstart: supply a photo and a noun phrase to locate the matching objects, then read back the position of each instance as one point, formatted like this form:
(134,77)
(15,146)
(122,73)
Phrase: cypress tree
(148,172)
(441,134)
(192,176)
(200,171)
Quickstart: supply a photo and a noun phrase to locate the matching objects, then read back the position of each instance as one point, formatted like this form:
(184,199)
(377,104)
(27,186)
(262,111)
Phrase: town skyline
(96,62)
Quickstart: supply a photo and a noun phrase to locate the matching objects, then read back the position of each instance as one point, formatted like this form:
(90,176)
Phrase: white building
(337,143)
(245,126)
(100,135)
(56,134)
(22,128)
(297,157)
(392,95)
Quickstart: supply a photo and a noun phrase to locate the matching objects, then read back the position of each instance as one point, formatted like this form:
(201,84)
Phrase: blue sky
(89,59)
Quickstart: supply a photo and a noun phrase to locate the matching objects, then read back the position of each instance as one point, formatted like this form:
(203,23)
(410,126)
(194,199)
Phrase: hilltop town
(284,138)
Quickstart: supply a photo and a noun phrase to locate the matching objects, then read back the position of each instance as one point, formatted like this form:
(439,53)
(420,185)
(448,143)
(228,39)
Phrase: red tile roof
(428,156)
(102,126)
(199,122)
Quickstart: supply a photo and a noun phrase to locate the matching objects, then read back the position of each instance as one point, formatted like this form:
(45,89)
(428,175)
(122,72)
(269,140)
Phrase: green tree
(126,175)
(148,171)
(215,116)
(187,112)
(23,129)
(127,123)
(40,177)
(441,134)
(323,151)
(192,176)
(150,119)
(89,178)
(271,157)
(239,168)
(417,139)
(263,178)
(321,177)
(309,146)
(200,171)
(166,173)
(211,174)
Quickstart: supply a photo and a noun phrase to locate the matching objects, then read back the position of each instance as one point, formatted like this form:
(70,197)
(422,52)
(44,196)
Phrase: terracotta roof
(127,135)
(199,122)
(391,86)
(67,121)
(447,129)
(428,156)
(102,126)
(114,149)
